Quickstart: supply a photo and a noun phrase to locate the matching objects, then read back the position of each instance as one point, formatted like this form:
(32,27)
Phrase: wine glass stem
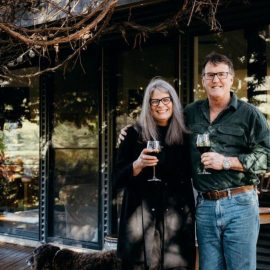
(154,172)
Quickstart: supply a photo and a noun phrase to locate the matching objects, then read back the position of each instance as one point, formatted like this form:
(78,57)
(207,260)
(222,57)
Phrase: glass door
(74,156)
(19,158)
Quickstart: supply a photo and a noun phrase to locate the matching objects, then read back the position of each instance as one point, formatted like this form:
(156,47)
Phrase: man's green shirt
(242,131)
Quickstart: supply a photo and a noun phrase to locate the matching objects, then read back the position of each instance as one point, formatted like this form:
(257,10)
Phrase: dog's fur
(42,257)
(68,259)
(49,257)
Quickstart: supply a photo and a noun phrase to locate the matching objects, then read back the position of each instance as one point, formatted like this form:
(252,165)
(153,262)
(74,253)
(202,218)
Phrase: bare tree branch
(31,28)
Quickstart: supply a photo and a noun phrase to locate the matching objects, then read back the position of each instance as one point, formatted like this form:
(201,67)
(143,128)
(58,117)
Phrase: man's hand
(122,135)
(212,160)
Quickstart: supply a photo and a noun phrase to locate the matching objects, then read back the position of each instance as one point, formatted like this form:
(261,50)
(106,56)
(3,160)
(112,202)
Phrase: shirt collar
(232,104)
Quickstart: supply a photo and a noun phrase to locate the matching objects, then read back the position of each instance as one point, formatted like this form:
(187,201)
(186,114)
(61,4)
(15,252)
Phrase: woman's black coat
(168,205)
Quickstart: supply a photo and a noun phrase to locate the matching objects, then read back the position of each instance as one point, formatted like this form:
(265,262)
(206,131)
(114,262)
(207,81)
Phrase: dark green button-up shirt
(240,131)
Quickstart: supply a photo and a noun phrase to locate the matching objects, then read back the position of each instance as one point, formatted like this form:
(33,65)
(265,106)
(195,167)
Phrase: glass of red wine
(203,144)
(155,148)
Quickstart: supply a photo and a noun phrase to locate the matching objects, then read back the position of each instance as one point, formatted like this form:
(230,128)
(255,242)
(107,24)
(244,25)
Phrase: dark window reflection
(75,152)
(75,119)
(76,194)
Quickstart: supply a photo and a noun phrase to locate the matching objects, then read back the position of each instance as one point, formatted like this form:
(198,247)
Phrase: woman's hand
(144,160)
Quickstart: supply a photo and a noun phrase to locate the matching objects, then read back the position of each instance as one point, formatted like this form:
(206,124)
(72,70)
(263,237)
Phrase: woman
(157,225)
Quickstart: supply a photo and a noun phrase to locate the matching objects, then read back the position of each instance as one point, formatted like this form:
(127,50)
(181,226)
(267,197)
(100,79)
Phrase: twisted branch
(52,26)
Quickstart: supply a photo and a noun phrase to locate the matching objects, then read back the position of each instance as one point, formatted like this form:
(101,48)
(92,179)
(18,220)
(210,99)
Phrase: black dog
(49,257)
(42,257)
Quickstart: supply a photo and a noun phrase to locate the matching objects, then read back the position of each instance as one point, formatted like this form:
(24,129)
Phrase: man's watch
(226,163)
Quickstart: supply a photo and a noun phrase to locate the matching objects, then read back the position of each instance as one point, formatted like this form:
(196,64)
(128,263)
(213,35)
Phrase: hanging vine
(33,30)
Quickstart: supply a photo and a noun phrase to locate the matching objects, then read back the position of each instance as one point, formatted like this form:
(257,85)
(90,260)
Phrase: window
(75,153)
(19,157)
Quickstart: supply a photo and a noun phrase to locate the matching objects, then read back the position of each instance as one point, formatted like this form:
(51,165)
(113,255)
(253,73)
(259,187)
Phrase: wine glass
(155,148)
(203,144)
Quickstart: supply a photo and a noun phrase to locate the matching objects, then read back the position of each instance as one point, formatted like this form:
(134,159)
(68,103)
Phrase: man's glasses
(220,75)
(165,101)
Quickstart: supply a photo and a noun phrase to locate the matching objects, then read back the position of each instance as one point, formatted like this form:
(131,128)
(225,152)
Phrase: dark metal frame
(44,158)
(104,156)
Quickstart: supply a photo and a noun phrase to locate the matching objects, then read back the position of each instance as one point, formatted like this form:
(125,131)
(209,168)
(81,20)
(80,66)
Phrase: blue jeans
(227,232)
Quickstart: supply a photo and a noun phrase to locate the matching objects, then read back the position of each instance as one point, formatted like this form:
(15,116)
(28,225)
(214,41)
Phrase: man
(227,214)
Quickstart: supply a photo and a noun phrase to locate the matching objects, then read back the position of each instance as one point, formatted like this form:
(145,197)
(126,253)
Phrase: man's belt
(219,194)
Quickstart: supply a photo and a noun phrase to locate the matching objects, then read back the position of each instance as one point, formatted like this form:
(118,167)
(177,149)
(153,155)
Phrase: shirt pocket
(232,138)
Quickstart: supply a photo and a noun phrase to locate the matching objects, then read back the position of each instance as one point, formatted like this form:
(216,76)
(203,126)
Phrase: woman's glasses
(165,101)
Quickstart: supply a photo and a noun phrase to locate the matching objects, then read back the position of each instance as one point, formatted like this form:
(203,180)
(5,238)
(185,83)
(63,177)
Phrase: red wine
(203,149)
(154,153)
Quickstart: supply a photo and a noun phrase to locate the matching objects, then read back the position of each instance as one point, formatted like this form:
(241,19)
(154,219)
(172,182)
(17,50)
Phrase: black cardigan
(145,203)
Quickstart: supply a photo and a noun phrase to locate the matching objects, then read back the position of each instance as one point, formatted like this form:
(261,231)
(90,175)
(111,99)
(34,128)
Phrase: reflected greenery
(77,108)
(75,152)
(75,105)
(19,157)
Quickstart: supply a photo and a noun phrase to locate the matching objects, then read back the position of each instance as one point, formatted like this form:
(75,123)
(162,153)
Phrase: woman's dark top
(157,221)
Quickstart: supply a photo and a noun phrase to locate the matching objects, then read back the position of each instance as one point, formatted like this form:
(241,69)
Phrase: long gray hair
(147,123)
